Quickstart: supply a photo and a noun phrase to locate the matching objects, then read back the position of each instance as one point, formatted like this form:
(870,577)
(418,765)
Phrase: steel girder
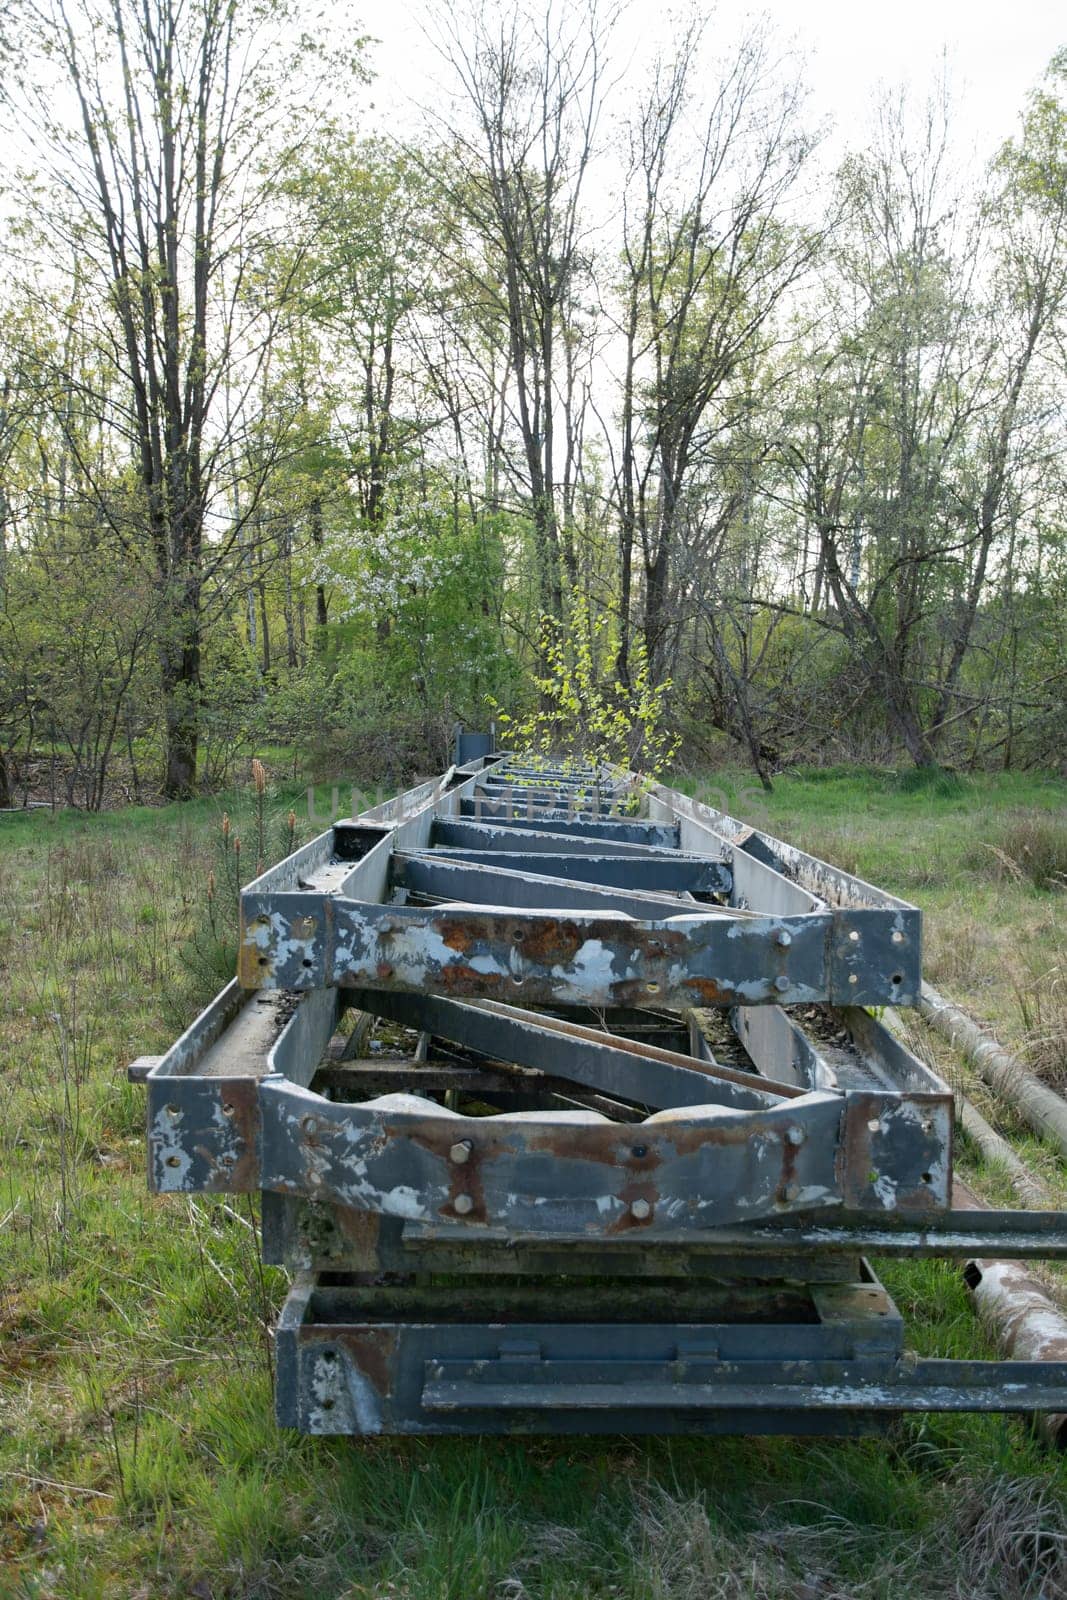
(531,938)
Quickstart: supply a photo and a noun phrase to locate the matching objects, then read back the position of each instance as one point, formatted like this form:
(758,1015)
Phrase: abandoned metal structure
(631,1129)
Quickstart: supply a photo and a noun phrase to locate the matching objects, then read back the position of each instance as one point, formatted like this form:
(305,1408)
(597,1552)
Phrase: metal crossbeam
(518,948)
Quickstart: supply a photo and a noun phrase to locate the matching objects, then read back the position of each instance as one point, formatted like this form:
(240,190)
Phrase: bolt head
(640,1209)
(461,1151)
(783,939)
(794,1135)
(781,984)
(463,1205)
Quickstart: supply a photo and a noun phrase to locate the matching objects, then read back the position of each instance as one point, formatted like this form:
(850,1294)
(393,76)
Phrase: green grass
(138,1452)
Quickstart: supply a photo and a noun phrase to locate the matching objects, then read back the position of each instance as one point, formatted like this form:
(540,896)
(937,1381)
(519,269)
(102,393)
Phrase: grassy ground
(138,1456)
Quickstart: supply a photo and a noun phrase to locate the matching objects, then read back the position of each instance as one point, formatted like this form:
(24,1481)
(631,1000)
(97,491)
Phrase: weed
(1042,1001)
(957,955)
(1013,1538)
(1026,846)
(841,844)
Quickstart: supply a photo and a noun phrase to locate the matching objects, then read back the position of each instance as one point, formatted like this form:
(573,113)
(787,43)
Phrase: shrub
(938,781)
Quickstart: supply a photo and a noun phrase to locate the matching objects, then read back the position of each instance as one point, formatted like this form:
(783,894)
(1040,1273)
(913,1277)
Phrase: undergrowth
(138,1453)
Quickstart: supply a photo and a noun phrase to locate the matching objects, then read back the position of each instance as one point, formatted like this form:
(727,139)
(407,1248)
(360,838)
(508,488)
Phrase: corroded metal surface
(517,943)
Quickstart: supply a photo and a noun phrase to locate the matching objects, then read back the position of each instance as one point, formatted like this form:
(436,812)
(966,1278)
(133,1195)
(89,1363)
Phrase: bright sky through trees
(338,376)
(995,53)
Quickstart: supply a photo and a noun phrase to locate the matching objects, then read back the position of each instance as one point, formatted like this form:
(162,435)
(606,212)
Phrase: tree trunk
(656,618)
(264,625)
(291,657)
(180,677)
(317,540)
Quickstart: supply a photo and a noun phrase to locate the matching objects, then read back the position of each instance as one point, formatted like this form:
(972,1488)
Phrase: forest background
(318,441)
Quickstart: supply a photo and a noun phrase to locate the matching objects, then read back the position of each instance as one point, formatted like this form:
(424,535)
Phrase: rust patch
(642,1157)
(549,942)
(604,1143)
(465,1179)
(372,1351)
(234,1163)
(689,1138)
(458,935)
(242,1095)
(249,971)
(639,1187)
(458,978)
(710,992)
(787,1183)
(635,992)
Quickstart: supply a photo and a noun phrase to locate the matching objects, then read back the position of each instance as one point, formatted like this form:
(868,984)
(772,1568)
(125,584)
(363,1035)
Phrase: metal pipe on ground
(1042,1108)
(1027,1185)
(1019,1312)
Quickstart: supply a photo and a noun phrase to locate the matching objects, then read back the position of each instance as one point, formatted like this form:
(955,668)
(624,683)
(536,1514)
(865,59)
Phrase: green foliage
(929,780)
(585,715)
(418,643)
(809,539)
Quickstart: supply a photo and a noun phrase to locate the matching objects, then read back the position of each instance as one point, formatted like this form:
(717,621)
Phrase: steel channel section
(476,883)
(581,1172)
(665,871)
(482,818)
(641,1072)
(340,1372)
(691,1165)
(305,940)
(790,1167)
(323,1237)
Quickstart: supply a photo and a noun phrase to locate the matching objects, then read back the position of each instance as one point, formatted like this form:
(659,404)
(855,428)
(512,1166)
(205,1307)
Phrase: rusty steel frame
(533,940)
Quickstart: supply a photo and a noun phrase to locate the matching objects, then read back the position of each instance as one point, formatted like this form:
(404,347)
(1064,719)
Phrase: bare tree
(519,153)
(911,420)
(163,184)
(708,256)
(1025,313)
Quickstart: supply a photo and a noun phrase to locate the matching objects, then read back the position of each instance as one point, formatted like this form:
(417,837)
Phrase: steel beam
(591,1232)
(308,941)
(666,871)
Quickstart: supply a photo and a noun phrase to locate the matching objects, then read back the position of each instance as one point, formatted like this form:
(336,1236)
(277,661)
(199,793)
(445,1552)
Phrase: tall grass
(138,1452)
(1025,846)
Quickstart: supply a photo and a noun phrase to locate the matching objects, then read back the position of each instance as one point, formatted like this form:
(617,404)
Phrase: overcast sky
(996,49)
